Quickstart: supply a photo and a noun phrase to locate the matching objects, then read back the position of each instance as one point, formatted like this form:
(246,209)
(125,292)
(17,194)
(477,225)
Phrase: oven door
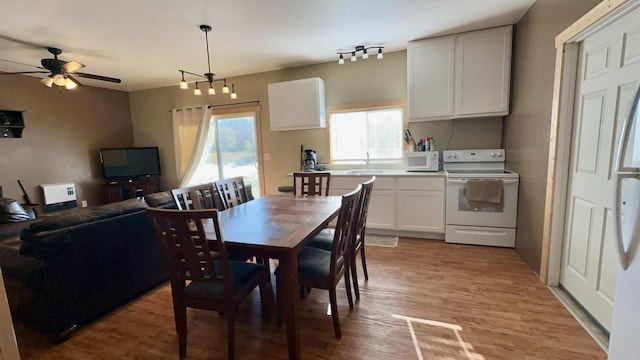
(460,212)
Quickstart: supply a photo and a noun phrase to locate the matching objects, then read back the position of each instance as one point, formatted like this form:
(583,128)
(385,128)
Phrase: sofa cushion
(12,212)
(82,215)
(12,230)
(160,199)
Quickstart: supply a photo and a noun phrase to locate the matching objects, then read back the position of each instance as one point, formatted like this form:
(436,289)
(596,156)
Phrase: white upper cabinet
(458,76)
(297,104)
(430,69)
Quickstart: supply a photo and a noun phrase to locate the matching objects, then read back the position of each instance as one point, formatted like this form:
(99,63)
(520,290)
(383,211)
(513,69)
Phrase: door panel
(609,68)
(589,131)
(579,236)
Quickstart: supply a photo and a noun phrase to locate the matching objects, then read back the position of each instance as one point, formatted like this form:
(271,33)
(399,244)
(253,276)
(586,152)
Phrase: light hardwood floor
(462,302)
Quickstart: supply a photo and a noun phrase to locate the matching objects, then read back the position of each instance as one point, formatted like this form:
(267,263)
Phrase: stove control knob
(499,154)
(455,156)
(493,154)
(448,156)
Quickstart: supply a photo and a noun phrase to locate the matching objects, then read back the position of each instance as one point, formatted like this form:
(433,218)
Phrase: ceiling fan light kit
(60,72)
(360,48)
(210,77)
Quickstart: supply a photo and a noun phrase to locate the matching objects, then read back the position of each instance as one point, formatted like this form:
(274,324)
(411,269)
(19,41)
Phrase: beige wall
(361,82)
(62,135)
(526,130)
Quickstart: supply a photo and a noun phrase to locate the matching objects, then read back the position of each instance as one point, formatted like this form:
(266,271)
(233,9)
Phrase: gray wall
(526,129)
(62,135)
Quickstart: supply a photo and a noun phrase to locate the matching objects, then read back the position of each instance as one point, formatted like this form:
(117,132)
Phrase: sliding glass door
(231,149)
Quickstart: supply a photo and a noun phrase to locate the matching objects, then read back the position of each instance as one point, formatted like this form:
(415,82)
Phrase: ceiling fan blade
(98,77)
(19,63)
(23,42)
(71,66)
(23,72)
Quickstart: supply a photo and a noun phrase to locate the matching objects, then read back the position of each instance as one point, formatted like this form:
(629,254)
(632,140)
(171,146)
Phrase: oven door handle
(464,181)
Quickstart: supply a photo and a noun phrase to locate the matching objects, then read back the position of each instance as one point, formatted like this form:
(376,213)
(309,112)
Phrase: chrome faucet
(368,162)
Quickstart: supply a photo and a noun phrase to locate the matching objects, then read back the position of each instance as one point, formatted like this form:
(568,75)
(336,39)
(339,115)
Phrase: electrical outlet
(84,203)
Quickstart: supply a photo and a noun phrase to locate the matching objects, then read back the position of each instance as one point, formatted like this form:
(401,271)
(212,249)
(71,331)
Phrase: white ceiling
(145,42)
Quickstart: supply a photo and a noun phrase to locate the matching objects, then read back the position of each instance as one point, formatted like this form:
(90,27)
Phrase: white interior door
(608,77)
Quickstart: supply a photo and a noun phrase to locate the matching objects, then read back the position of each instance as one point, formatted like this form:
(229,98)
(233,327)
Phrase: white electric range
(477,222)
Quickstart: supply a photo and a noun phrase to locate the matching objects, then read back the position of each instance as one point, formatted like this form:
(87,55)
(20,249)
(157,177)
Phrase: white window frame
(381,105)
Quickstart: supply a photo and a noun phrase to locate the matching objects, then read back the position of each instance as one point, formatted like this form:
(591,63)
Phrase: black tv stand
(123,189)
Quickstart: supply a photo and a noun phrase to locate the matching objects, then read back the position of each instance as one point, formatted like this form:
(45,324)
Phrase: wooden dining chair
(324,240)
(311,183)
(202,276)
(322,269)
(203,196)
(232,191)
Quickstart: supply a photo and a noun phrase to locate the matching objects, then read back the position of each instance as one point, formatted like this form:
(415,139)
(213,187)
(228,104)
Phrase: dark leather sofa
(70,268)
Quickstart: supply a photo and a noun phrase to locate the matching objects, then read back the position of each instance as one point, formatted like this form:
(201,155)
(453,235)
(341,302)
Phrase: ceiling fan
(61,71)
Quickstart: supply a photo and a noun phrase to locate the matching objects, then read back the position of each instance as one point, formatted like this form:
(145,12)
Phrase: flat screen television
(132,162)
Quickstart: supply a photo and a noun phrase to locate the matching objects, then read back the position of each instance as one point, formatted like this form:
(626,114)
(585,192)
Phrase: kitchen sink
(364,172)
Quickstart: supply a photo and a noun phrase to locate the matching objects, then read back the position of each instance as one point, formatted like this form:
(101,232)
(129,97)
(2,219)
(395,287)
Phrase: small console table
(118,190)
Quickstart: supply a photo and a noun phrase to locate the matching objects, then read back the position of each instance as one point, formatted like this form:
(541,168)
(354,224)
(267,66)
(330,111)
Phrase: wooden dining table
(278,227)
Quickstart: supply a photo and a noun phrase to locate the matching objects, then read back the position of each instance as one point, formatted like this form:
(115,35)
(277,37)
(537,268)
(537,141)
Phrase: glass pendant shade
(225,89)
(365,55)
(341,60)
(233,92)
(47,81)
(59,80)
(211,91)
(380,56)
(197,91)
(184,85)
(70,84)
(353,57)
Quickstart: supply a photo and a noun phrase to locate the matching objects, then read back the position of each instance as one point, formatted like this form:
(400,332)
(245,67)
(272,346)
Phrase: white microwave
(422,161)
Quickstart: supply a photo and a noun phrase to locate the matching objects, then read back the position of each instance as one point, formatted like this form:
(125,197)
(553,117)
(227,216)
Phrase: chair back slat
(232,191)
(204,196)
(343,231)
(311,183)
(190,253)
(363,209)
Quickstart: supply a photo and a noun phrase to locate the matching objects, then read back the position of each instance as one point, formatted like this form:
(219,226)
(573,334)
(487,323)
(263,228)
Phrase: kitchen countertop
(384,172)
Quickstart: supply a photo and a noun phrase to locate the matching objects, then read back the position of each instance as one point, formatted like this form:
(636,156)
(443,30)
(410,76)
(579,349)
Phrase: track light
(183,84)
(354,53)
(233,92)
(209,76)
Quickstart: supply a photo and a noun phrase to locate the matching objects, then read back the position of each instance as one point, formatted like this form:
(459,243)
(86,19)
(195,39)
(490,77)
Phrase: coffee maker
(310,160)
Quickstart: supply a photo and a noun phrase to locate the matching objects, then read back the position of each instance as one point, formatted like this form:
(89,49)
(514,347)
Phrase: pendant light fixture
(210,78)
(353,53)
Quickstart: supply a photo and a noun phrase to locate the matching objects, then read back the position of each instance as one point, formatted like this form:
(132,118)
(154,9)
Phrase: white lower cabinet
(421,204)
(421,211)
(413,204)
(382,213)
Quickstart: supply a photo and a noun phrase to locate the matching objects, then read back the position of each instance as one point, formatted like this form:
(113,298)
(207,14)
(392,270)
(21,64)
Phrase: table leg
(291,311)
